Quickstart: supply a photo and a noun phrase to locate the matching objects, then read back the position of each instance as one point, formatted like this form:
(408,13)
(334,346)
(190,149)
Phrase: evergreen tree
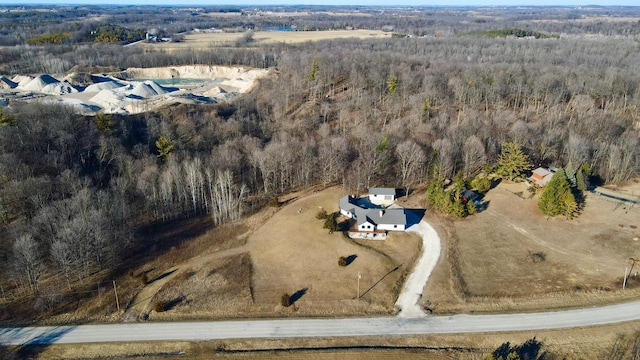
(512,162)
(104,122)
(314,71)
(581,183)
(426,109)
(481,184)
(557,198)
(392,84)
(571,174)
(164,146)
(6,119)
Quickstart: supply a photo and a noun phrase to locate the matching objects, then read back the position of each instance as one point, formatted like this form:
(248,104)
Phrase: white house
(382,196)
(380,219)
(372,222)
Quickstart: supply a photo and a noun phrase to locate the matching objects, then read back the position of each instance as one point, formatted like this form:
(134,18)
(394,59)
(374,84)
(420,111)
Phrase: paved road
(319,327)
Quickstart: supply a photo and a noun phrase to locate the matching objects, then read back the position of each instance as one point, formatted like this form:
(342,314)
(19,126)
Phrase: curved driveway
(411,293)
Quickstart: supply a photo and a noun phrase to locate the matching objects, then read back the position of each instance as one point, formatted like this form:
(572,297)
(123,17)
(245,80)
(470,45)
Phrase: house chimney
(381,212)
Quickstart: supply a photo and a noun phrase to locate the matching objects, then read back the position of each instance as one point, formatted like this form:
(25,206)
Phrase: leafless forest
(438,99)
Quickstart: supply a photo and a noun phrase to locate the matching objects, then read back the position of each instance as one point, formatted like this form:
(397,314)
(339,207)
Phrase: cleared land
(205,40)
(512,258)
(290,253)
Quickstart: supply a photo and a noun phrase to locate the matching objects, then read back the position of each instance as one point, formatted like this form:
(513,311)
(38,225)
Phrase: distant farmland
(210,39)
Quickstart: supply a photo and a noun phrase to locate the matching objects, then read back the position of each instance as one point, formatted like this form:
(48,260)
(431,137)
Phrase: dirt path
(140,304)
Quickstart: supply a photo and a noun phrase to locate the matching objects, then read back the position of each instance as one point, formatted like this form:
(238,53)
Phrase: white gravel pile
(110,101)
(39,82)
(142,90)
(105,85)
(59,88)
(22,80)
(214,92)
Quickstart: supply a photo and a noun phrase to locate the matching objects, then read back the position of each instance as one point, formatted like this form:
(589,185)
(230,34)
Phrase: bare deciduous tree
(411,158)
(27,260)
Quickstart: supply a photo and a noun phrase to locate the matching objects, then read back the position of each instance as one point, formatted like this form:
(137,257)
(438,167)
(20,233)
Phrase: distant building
(541,176)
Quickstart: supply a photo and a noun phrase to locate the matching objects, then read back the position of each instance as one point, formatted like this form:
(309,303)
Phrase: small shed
(382,196)
(541,176)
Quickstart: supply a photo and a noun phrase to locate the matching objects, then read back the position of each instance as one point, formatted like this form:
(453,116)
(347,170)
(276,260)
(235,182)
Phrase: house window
(388,197)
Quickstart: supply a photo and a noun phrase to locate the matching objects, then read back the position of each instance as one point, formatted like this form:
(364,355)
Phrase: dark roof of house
(389,216)
(345,203)
(374,216)
(382,191)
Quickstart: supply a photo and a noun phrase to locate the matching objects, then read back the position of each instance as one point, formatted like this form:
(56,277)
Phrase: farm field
(210,39)
(512,258)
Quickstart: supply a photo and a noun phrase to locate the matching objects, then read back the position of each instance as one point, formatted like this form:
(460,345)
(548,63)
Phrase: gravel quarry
(133,90)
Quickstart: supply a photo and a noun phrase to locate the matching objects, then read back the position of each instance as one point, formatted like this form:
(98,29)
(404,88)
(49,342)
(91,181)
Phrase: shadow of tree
(530,349)
(298,294)
(349,259)
(173,303)
(161,276)
(29,342)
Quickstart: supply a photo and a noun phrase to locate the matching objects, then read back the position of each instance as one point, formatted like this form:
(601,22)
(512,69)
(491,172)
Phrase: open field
(583,343)
(511,258)
(210,39)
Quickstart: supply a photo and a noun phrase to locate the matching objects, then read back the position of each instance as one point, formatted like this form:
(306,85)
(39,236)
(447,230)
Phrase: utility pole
(628,275)
(116,292)
(624,282)
(359,276)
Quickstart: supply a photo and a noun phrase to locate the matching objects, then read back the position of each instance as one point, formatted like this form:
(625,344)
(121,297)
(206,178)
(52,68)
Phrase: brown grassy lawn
(211,289)
(292,252)
(583,343)
(494,266)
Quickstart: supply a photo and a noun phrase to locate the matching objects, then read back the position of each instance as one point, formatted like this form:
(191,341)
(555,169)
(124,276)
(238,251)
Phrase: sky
(339,2)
